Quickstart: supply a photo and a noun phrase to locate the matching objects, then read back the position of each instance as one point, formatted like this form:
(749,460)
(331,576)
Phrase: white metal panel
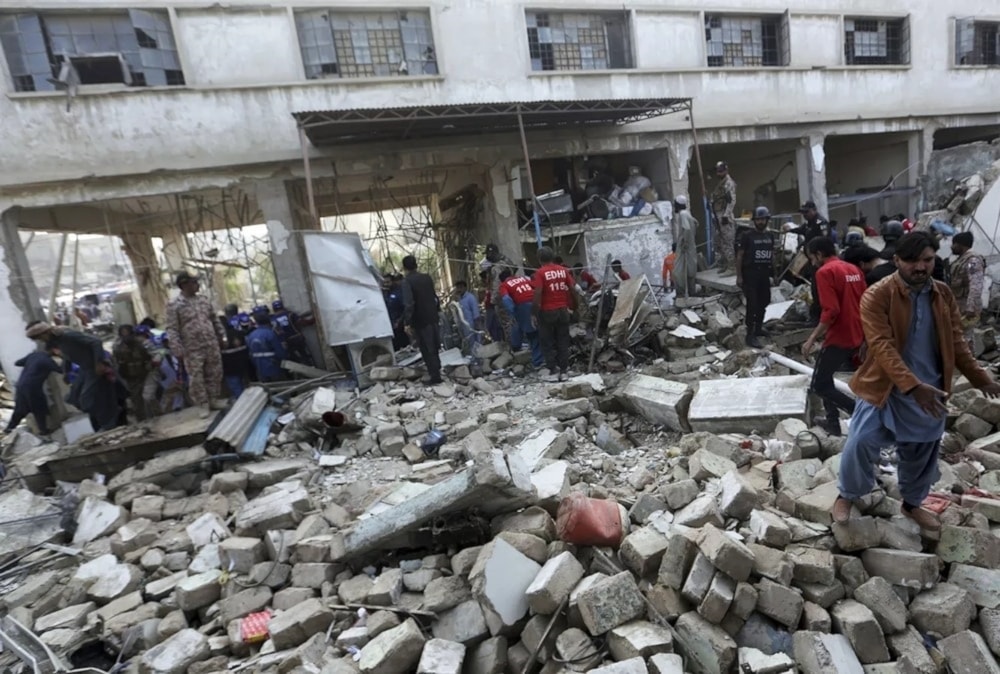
(348,293)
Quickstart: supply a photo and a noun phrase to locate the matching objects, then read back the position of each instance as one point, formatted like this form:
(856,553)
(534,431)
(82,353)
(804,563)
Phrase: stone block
(698,580)
(610,602)
(771,563)
(811,565)
(708,649)
(646,505)
(576,645)
(798,476)
(464,624)
(858,533)
(815,504)
(703,465)
(770,529)
(633,666)
(915,570)
(489,657)
(699,512)
(909,645)
(277,509)
(71,617)
(198,591)
(565,410)
(819,653)
(824,595)
(207,529)
(738,497)
(499,580)
(880,597)
(967,653)
(642,551)
(983,585)
(553,584)
(943,610)
(965,545)
(177,653)
(534,520)
(441,657)
(529,545)
(239,554)
(659,401)
(856,621)
(266,473)
(679,494)
(850,571)
(780,603)
(291,596)
(677,557)
(972,427)
(639,639)
(395,651)
(717,600)
(294,626)
(727,554)
(313,575)
(537,640)
(387,588)
(446,592)
(97,518)
(666,663)
(815,618)
(765,401)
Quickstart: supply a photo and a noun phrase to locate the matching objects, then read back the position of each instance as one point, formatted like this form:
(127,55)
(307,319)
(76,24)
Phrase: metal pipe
(531,180)
(805,369)
(710,252)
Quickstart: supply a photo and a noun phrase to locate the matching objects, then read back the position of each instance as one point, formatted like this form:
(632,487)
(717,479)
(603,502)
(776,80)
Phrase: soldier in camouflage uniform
(196,336)
(968,274)
(723,203)
(134,364)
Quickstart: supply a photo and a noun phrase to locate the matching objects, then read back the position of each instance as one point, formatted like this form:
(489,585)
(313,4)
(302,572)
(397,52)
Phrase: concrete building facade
(161,119)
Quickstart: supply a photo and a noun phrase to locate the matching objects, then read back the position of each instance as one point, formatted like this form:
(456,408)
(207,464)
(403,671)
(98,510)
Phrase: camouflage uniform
(723,203)
(196,335)
(967,277)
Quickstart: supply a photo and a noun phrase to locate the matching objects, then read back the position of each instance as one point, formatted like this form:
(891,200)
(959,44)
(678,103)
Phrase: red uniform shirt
(555,282)
(519,288)
(589,281)
(624,275)
(840,286)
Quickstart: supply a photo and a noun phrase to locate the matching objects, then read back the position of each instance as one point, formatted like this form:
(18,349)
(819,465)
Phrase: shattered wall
(641,247)
(948,166)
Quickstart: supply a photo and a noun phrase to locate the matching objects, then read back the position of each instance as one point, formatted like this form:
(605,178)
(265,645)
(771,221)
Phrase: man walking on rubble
(686,266)
(196,337)
(840,286)
(421,316)
(723,204)
(517,295)
(29,394)
(553,301)
(913,330)
(754,268)
(968,273)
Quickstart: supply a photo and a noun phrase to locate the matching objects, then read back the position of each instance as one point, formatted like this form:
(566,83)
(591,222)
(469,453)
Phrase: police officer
(754,267)
(892,231)
(286,326)
(232,316)
(266,349)
(244,323)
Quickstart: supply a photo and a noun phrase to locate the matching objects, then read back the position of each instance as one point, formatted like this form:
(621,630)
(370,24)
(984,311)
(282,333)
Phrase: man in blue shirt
(29,397)
(470,311)
(265,349)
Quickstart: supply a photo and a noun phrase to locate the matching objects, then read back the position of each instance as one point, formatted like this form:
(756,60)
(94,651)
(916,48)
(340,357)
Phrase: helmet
(232,310)
(261,309)
(854,238)
(143,330)
(892,230)
(277,305)
(761,212)
(244,319)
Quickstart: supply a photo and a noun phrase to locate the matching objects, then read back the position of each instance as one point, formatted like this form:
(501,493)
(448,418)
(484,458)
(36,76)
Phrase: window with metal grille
(133,47)
(579,41)
(746,41)
(366,44)
(874,41)
(977,43)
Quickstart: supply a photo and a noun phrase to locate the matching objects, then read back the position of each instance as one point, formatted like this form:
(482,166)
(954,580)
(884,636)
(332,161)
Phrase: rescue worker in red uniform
(553,301)
(516,295)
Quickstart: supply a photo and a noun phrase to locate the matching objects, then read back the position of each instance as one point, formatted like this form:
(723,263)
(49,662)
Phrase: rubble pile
(377,555)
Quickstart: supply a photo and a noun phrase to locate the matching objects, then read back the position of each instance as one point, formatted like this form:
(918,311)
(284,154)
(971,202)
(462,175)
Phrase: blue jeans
(235,385)
(918,461)
(523,328)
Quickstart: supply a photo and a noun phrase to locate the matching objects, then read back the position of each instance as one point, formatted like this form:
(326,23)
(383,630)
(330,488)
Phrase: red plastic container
(591,521)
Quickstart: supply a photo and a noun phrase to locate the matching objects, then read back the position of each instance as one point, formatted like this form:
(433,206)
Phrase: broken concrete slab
(765,401)
(709,650)
(97,518)
(500,580)
(659,401)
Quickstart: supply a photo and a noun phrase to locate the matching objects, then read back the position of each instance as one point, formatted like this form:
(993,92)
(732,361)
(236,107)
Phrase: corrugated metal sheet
(239,421)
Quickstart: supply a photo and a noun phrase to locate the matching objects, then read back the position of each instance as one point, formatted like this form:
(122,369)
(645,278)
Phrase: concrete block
(965,545)
(209,528)
(818,653)
(464,624)
(770,529)
(633,666)
(738,497)
(277,509)
(314,575)
(798,476)
(880,597)
(699,512)
(135,534)
(765,401)
(573,613)
(198,591)
(565,410)
(771,563)
(679,494)
(967,653)
(499,580)
(858,533)
(149,507)
(244,602)
(239,554)
(698,580)
(534,520)
(666,663)
(815,618)
(291,596)
(576,645)
(850,571)
(71,617)
(972,427)
(266,473)
(292,627)
(856,621)
(441,657)
(489,657)
(177,653)
(983,585)
(646,505)
(727,554)
(677,558)
(446,592)
(708,649)
(811,565)
(717,600)
(97,518)
(703,465)
(533,632)
(659,401)
(355,589)
(824,595)
(780,603)
(396,651)
(642,551)
(610,602)
(228,482)
(943,610)
(553,584)
(529,545)
(909,569)
(815,504)
(909,645)
(387,588)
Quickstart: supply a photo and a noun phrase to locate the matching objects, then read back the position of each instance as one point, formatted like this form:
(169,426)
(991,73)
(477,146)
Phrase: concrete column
(680,152)
(501,217)
(919,147)
(175,248)
(152,291)
(19,301)
(289,258)
(810,164)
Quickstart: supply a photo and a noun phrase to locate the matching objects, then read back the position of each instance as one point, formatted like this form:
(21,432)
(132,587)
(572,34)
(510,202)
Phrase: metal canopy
(329,127)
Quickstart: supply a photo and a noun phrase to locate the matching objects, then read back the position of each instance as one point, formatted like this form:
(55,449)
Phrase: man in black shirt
(754,267)
(814,225)
(420,315)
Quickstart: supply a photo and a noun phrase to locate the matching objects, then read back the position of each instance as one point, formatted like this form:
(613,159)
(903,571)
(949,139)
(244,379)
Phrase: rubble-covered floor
(373,556)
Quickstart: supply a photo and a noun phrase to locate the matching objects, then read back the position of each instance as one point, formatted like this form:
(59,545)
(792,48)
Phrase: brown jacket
(885,316)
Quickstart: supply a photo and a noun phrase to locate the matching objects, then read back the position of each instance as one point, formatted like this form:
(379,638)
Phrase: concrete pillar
(810,164)
(289,258)
(152,291)
(501,217)
(175,248)
(680,152)
(919,147)
(19,301)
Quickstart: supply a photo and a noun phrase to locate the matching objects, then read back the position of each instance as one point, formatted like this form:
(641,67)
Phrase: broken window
(577,41)
(366,44)
(873,41)
(130,47)
(977,43)
(746,41)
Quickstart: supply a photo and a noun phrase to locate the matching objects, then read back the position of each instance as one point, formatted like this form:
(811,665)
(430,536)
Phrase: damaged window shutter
(27,55)
(158,57)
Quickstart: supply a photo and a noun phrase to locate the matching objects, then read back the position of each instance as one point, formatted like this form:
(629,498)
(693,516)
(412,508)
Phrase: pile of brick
(731,560)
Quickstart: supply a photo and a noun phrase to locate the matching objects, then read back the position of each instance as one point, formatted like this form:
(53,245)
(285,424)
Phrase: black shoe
(831,426)
(753,342)
(434,381)
(761,332)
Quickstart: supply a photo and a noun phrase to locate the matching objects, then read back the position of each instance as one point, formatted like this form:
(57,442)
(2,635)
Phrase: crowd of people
(147,371)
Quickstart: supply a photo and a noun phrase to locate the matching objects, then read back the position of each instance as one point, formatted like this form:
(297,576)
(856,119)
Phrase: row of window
(47,50)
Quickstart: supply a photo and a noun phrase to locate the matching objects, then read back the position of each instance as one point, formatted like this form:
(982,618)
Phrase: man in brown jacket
(913,332)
